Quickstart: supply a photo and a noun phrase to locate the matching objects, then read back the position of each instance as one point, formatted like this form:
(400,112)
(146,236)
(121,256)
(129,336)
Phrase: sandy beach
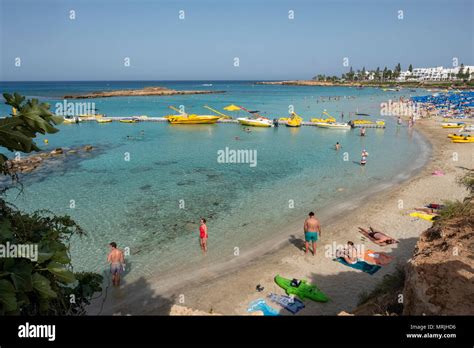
(232,293)
(387,211)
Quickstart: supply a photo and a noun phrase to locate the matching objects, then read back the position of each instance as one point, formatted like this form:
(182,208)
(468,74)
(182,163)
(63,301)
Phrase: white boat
(71,119)
(255,122)
(334,125)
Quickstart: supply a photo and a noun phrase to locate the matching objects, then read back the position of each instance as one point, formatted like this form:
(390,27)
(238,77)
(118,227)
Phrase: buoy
(46,141)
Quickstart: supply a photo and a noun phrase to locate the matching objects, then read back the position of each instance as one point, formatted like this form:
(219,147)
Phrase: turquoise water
(136,203)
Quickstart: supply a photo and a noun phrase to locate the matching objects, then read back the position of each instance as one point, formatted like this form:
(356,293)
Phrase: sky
(321,36)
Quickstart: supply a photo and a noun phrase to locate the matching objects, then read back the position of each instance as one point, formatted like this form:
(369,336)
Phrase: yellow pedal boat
(192,119)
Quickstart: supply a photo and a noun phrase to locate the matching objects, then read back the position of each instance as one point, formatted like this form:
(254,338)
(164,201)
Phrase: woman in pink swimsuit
(203,234)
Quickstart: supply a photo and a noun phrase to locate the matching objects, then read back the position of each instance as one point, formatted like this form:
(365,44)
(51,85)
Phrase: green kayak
(301,289)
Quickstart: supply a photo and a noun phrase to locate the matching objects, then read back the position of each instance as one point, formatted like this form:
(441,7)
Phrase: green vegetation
(391,283)
(458,209)
(43,282)
(389,76)
(29,118)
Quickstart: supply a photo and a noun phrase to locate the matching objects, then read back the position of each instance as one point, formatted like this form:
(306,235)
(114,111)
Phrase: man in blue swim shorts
(311,231)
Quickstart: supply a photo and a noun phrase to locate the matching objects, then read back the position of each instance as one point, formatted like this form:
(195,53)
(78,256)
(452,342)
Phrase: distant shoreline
(377,84)
(147,91)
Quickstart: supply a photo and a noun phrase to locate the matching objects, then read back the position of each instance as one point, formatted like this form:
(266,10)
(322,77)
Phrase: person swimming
(362,132)
(338,146)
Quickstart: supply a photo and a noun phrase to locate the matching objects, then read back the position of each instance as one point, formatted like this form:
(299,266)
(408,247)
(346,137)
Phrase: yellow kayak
(193,119)
(128,121)
(459,136)
(103,120)
(424,216)
(452,125)
(464,140)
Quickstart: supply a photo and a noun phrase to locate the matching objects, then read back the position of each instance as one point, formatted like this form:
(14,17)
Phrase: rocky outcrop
(147,91)
(28,164)
(440,276)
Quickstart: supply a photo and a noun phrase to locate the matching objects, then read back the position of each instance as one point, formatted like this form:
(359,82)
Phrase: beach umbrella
(232,107)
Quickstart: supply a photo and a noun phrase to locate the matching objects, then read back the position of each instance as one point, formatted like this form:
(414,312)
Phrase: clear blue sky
(204,44)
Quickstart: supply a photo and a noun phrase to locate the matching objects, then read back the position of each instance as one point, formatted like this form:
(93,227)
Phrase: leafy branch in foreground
(18,131)
(46,284)
(38,279)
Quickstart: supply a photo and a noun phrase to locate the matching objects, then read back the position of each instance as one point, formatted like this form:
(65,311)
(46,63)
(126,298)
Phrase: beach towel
(261,305)
(292,305)
(373,257)
(360,265)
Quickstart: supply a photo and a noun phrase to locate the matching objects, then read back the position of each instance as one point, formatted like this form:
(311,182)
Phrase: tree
(410,68)
(377,74)
(384,73)
(397,70)
(389,74)
(467,75)
(350,74)
(460,74)
(45,284)
(363,73)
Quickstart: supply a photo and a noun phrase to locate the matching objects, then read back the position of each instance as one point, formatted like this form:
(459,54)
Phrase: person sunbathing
(377,237)
(349,253)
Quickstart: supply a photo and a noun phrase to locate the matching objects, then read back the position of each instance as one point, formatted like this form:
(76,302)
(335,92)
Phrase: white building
(434,74)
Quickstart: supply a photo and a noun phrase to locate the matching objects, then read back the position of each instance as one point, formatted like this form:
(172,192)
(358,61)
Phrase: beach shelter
(232,107)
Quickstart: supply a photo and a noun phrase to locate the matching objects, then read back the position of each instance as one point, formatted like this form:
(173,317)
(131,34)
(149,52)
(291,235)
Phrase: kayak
(464,140)
(301,289)
(424,216)
(452,125)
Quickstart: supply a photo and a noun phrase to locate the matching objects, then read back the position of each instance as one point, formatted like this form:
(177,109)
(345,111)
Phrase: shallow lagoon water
(139,203)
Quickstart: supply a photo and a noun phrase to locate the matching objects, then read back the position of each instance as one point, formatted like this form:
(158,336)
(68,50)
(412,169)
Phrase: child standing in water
(203,234)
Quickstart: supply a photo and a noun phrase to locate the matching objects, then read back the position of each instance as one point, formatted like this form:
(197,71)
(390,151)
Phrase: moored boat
(294,120)
(333,125)
(256,120)
(192,119)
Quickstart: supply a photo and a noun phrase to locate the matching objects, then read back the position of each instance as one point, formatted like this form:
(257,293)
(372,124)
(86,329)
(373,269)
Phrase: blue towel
(293,305)
(261,305)
(360,265)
